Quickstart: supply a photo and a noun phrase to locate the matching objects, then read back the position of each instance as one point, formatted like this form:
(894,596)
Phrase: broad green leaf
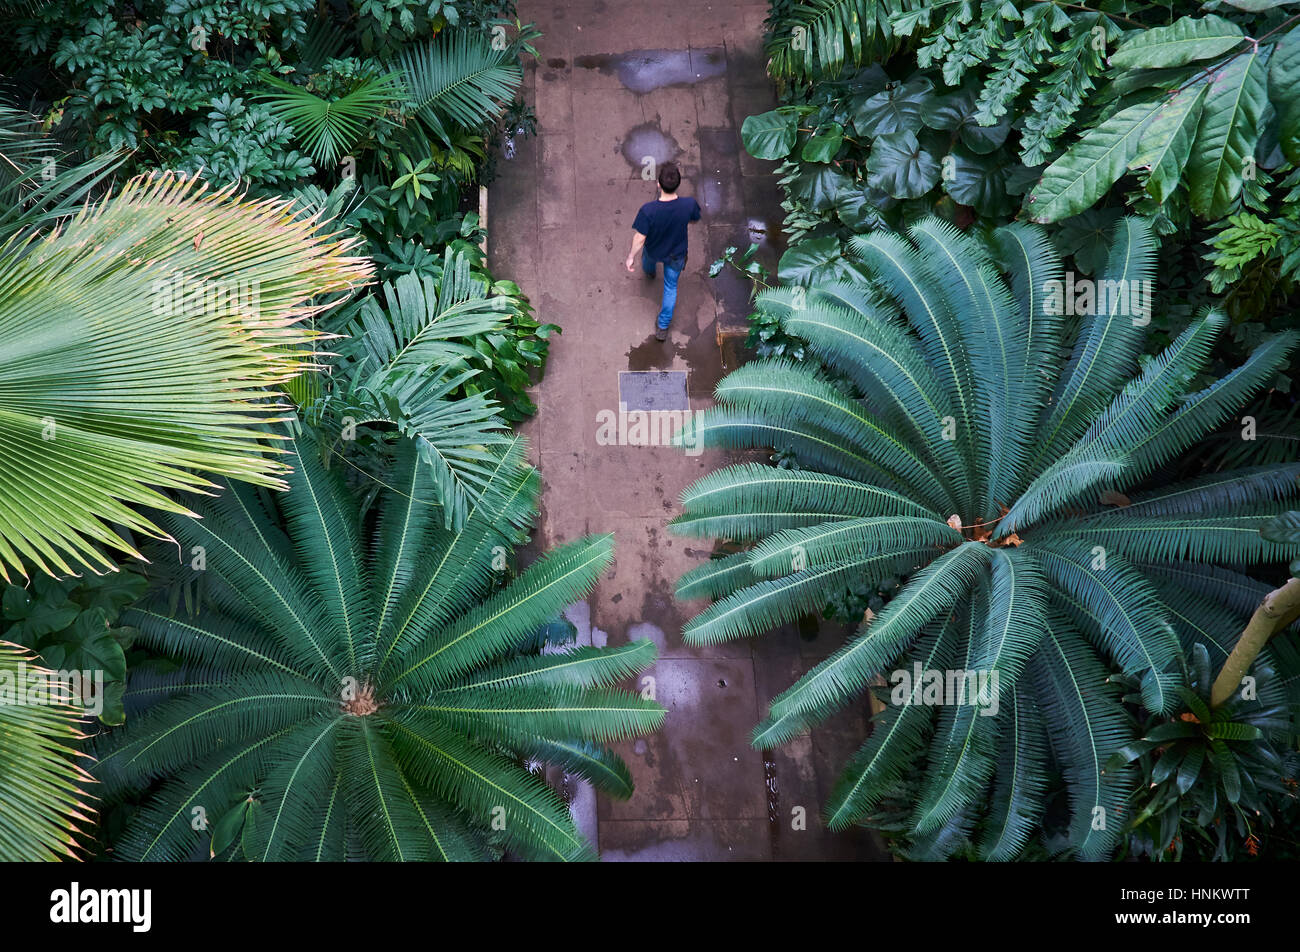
(15,602)
(770,135)
(1284,92)
(818,185)
(1091,166)
(977,180)
(113,711)
(822,145)
(956,113)
(900,165)
(1167,142)
(897,109)
(1086,237)
(227,828)
(1184,41)
(1227,134)
(863,208)
(818,258)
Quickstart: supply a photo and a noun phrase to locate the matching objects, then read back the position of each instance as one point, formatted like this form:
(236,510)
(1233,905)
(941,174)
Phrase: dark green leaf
(899,166)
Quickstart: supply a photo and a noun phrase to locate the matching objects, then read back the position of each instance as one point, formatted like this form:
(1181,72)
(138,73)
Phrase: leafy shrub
(242,142)
(1191,119)
(868,152)
(72,625)
(1217,779)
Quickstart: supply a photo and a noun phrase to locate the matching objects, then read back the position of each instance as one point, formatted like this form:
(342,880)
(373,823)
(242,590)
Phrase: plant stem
(1279,608)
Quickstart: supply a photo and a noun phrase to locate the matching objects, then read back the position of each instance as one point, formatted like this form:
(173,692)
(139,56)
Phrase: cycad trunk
(1279,608)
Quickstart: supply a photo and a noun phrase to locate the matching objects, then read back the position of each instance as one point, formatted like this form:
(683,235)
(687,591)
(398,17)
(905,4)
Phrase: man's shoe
(661,334)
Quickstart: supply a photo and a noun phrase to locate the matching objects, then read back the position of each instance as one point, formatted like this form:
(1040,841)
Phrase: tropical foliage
(371,687)
(72,624)
(866,152)
(982,448)
(1218,778)
(43,799)
(138,342)
(405,360)
(1186,116)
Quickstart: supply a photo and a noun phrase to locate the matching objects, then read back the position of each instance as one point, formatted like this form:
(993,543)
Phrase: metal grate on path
(653,390)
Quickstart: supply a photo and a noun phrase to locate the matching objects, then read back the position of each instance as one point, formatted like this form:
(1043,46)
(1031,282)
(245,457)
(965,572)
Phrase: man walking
(659,233)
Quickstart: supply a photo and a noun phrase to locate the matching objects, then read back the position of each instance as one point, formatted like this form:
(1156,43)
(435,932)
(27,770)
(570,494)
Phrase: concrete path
(617,82)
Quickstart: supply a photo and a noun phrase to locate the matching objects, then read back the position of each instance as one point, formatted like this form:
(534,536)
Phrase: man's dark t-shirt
(664,226)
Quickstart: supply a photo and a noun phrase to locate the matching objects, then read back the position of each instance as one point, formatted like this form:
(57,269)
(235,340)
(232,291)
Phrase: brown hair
(669,177)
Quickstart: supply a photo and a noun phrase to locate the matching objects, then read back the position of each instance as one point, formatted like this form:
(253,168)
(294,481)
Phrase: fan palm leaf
(329,128)
(139,343)
(42,789)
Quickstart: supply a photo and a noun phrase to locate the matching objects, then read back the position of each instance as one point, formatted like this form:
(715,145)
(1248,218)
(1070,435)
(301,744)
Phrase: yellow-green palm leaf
(137,343)
(41,785)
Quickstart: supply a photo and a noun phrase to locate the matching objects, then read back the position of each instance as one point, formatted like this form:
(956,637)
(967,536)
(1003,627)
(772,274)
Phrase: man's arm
(638,242)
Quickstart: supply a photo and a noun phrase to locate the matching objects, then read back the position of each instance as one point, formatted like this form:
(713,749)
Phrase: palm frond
(43,799)
(457,79)
(351,695)
(943,382)
(329,128)
(139,341)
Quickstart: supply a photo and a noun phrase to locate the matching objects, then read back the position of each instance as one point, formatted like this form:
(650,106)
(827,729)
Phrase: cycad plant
(138,341)
(369,687)
(981,448)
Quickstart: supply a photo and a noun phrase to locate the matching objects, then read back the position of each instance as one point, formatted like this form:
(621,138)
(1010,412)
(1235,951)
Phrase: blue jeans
(672,271)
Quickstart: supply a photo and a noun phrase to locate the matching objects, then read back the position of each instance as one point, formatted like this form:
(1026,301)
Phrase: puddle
(711,193)
(649,141)
(645,70)
(652,354)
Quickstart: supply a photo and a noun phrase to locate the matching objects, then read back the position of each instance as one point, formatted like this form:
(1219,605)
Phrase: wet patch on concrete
(648,141)
(650,354)
(721,142)
(647,630)
(643,71)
